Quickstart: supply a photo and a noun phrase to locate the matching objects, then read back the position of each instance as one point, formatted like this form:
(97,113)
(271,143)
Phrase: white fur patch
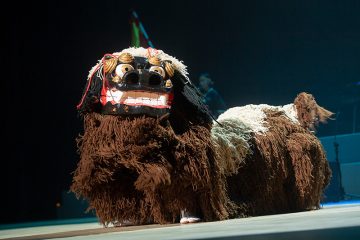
(253,115)
(144,52)
(290,111)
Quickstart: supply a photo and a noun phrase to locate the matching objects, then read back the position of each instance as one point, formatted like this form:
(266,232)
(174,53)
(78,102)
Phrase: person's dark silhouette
(211,97)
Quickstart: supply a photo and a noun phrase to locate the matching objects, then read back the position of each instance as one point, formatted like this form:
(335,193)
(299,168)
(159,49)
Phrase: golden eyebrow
(110,64)
(169,68)
(126,58)
(155,61)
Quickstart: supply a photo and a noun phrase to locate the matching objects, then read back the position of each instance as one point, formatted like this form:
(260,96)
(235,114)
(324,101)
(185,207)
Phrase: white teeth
(130,100)
(162,99)
(137,98)
(114,95)
(146,101)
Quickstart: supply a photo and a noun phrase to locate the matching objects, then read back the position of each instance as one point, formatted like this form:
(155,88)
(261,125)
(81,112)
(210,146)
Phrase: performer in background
(211,98)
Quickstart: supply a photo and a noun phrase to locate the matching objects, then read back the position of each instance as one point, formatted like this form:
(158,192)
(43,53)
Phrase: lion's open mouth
(138,98)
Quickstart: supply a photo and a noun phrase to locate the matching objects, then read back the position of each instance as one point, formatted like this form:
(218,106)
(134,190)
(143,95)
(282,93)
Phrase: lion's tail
(309,112)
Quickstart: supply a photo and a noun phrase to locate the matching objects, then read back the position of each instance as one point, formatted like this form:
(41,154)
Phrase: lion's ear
(90,100)
(188,101)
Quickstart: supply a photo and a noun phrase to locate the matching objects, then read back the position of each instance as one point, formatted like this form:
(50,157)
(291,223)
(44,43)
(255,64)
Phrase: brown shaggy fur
(139,170)
(287,171)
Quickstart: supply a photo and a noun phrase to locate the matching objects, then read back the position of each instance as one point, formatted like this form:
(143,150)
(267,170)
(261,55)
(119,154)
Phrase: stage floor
(333,221)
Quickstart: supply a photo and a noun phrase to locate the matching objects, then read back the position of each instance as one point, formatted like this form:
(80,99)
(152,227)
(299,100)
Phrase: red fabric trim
(90,79)
(87,88)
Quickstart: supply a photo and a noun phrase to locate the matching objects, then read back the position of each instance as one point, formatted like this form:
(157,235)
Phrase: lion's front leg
(188,217)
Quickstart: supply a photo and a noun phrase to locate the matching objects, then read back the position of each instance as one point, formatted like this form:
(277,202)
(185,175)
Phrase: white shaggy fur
(253,115)
(144,52)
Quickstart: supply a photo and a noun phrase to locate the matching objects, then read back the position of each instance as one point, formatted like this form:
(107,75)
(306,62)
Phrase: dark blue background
(256,52)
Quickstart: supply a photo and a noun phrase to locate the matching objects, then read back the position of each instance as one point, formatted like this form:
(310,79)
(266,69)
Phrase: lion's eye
(121,69)
(158,70)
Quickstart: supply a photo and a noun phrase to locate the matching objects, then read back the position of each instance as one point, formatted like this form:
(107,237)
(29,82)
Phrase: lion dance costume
(150,149)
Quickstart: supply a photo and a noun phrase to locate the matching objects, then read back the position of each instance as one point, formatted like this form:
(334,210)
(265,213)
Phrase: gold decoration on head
(110,64)
(155,61)
(168,83)
(169,68)
(126,58)
(116,79)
